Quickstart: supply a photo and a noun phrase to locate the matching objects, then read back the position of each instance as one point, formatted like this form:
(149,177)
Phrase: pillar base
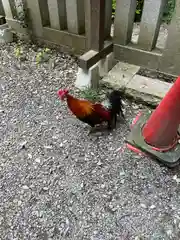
(170,158)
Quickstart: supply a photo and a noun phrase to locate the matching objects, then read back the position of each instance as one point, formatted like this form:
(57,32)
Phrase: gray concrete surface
(124,76)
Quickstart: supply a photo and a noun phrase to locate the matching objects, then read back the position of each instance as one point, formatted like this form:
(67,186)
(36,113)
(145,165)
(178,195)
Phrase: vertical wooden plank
(12,4)
(39,16)
(124,19)
(75,16)
(9,9)
(97,24)
(87,9)
(57,14)
(43,6)
(1,9)
(150,23)
(170,62)
(108,18)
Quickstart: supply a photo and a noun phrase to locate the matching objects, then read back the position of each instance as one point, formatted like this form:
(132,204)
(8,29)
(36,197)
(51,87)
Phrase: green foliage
(113,7)
(169,10)
(113,4)
(90,94)
(139,7)
(43,56)
(19,53)
(167,16)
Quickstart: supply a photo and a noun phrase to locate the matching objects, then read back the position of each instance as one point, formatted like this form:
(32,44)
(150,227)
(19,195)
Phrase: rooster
(95,113)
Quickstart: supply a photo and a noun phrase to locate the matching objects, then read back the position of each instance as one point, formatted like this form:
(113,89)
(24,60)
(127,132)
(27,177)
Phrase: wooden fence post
(150,23)
(171,54)
(75,16)
(1,9)
(39,15)
(95,33)
(9,9)
(57,14)
(97,24)
(108,18)
(124,19)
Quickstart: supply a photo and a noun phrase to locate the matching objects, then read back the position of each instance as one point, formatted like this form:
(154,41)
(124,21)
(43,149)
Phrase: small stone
(122,173)
(25,187)
(48,147)
(152,207)
(1,219)
(137,238)
(169,232)
(99,163)
(135,107)
(23,144)
(29,155)
(176,179)
(54,137)
(19,203)
(143,205)
(37,160)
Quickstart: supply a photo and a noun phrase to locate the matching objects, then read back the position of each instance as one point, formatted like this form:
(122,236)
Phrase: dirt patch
(156,75)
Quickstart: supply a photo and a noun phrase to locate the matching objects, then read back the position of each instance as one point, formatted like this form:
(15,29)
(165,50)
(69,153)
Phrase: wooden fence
(85,26)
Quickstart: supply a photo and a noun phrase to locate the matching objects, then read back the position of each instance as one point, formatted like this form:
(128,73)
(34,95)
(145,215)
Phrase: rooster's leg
(109,125)
(92,129)
(112,123)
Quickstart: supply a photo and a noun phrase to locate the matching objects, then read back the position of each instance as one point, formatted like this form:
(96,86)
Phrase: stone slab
(120,75)
(147,89)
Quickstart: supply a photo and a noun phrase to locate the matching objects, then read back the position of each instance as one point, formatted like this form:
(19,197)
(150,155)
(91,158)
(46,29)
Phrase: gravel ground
(56,182)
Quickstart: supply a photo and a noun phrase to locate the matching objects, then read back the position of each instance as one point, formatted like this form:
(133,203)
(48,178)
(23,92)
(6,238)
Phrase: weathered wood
(9,9)
(39,15)
(136,56)
(13,6)
(77,42)
(97,24)
(57,14)
(43,6)
(124,19)
(150,23)
(95,32)
(87,9)
(108,18)
(91,57)
(75,16)
(171,54)
(1,9)
(2,20)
